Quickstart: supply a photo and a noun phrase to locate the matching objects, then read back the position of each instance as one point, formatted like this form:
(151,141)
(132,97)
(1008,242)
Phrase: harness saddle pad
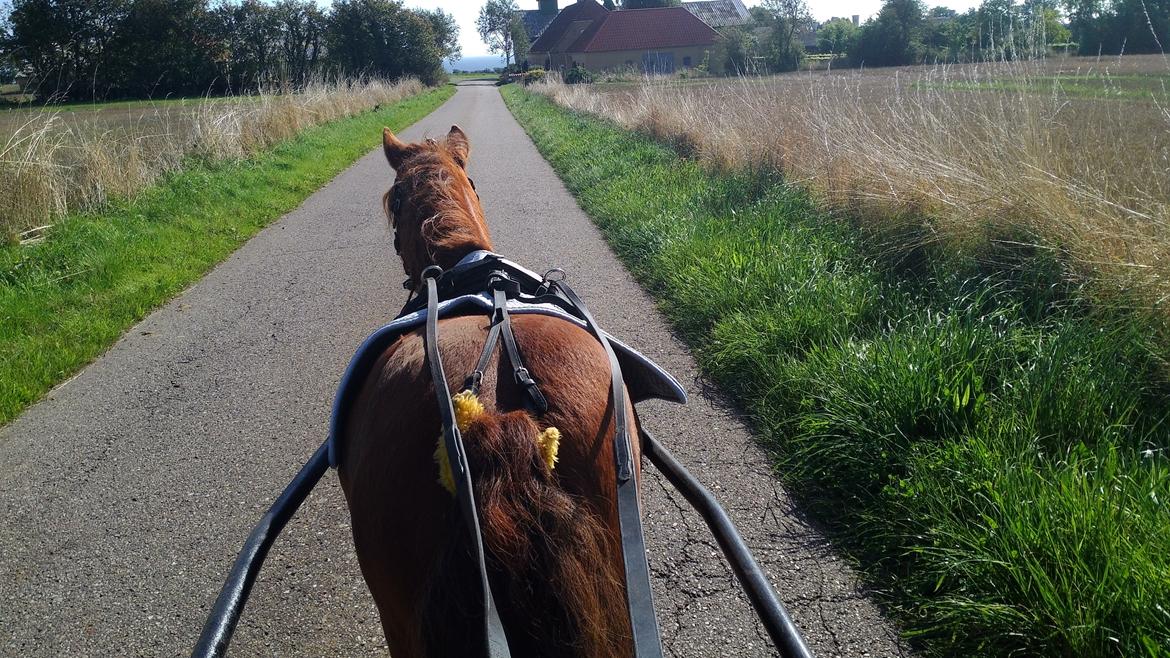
(644,379)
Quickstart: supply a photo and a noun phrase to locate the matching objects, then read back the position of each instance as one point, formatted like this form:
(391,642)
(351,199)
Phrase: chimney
(857,20)
(548,6)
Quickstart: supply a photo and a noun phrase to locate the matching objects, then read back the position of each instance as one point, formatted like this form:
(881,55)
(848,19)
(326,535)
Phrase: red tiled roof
(584,10)
(646,29)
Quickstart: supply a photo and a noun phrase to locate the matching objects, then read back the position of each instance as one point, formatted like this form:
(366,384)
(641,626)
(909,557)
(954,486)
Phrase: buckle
(550,279)
(498,280)
(522,377)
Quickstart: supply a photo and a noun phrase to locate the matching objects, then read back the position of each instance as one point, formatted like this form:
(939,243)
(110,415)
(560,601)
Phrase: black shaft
(776,621)
(221,623)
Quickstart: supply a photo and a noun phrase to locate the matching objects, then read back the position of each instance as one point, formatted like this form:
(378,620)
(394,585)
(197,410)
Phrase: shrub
(578,75)
(534,75)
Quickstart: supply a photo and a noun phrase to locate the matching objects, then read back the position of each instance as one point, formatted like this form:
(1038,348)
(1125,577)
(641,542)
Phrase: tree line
(101,49)
(907,32)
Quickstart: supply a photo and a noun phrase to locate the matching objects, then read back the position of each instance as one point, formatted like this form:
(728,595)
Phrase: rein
(495,639)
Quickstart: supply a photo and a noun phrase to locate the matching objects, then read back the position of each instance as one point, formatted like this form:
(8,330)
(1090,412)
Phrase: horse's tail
(548,555)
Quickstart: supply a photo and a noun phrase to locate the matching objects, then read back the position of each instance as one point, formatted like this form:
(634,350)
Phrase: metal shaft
(783,632)
(221,623)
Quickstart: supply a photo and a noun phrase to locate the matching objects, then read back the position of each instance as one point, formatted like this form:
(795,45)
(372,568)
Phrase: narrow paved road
(125,494)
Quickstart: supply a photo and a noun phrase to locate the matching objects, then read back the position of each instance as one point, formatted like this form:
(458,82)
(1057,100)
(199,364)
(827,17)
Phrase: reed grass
(991,449)
(1071,156)
(54,162)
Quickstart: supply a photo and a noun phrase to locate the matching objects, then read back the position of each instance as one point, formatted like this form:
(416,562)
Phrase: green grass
(63,302)
(993,454)
(1117,87)
(463,77)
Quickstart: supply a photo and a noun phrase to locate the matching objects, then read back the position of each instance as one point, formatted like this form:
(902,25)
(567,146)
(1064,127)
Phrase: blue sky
(465,12)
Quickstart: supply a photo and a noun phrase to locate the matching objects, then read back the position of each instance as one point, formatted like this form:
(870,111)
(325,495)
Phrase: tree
(648,4)
(301,25)
(945,36)
(247,45)
(519,39)
(165,47)
(7,62)
(446,32)
(1085,22)
(838,36)
(786,20)
(737,47)
(494,26)
(1136,26)
(893,37)
(64,43)
(382,37)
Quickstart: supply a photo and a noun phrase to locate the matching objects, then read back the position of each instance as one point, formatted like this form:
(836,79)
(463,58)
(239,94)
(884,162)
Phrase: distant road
(125,495)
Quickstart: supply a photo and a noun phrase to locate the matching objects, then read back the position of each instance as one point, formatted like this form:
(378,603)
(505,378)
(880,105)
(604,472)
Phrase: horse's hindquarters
(552,537)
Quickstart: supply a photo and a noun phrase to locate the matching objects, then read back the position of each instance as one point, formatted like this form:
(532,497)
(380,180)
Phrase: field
(464,77)
(125,116)
(67,159)
(1068,155)
(935,305)
(11,94)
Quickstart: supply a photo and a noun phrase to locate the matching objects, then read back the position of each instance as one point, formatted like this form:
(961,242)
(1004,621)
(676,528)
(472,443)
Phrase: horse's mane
(454,223)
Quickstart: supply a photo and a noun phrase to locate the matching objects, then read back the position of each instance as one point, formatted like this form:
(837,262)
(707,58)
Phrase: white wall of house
(662,60)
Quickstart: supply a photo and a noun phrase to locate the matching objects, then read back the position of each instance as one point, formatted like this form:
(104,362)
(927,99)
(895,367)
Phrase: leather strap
(475,379)
(495,639)
(534,400)
(639,597)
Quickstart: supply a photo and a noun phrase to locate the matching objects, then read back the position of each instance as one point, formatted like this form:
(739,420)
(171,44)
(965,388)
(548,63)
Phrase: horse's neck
(458,241)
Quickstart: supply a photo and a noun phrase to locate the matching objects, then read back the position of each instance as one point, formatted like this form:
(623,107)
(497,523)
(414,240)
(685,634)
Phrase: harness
(504,282)
(511,289)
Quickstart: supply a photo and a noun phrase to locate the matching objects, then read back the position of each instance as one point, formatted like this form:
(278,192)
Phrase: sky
(465,12)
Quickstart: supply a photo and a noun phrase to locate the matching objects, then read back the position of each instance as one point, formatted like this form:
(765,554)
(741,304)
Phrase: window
(687,62)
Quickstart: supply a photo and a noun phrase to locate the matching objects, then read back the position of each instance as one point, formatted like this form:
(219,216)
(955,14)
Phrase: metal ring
(432,272)
(548,276)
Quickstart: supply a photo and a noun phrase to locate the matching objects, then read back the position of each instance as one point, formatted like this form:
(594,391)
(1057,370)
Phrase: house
(720,13)
(536,20)
(659,40)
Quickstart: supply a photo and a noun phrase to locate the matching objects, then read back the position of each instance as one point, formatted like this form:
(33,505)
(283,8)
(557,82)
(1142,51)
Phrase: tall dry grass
(52,163)
(1068,155)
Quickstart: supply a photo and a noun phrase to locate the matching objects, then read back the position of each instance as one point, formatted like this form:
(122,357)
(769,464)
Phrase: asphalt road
(126,493)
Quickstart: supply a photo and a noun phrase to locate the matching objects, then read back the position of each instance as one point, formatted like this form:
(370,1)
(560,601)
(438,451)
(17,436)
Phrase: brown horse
(551,536)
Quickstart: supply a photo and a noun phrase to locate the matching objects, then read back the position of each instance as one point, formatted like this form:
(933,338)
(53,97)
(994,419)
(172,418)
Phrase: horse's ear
(459,146)
(396,149)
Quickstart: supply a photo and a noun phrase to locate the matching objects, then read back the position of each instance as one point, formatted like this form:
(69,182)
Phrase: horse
(551,535)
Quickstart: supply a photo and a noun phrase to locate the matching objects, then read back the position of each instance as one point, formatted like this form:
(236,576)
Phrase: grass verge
(63,302)
(994,456)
